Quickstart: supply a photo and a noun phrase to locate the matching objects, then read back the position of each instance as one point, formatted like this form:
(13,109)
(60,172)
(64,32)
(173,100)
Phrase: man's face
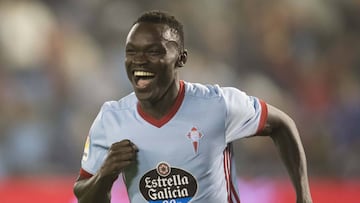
(151,58)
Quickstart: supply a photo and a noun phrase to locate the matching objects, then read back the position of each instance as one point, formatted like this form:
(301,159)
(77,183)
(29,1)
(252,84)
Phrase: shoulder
(231,92)
(202,90)
(125,103)
(212,90)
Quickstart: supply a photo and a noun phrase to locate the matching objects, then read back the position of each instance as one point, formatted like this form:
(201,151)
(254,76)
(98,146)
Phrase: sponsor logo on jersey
(167,184)
(86,149)
(195,135)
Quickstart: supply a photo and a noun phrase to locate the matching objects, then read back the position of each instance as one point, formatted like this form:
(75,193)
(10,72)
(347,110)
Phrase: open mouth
(143,78)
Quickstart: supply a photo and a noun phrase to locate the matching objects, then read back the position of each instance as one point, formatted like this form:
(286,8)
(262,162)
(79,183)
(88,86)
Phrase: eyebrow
(147,46)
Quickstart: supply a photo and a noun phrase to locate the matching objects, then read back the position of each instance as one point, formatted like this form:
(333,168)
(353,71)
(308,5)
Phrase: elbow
(76,190)
(79,191)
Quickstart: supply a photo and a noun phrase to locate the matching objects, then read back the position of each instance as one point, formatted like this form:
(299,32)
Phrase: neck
(161,107)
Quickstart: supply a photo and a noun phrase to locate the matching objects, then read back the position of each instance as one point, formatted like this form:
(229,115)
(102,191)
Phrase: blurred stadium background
(60,60)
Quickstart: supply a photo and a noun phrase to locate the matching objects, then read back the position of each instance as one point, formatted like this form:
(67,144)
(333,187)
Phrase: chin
(143,96)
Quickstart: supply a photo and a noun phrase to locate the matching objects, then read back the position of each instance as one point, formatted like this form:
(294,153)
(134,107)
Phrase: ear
(182,59)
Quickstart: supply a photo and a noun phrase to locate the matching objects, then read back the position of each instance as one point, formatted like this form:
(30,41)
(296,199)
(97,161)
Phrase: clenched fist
(120,155)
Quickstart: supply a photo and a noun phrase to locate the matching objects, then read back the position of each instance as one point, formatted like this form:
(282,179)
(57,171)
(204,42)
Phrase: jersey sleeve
(246,115)
(95,149)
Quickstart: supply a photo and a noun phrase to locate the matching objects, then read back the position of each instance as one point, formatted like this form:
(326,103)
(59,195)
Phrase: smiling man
(171,140)
(154,52)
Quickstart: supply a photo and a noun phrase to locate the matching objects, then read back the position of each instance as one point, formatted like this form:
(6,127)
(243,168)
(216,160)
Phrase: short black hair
(163,17)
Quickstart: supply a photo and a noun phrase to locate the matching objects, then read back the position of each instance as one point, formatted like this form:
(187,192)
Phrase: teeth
(143,73)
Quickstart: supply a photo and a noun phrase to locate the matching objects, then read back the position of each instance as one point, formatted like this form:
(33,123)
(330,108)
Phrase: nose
(139,58)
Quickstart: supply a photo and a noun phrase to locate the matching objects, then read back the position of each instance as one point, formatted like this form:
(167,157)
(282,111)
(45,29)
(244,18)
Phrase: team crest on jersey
(168,184)
(195,135)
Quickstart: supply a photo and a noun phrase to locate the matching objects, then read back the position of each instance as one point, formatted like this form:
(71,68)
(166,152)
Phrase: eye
(153,52)
(130,52)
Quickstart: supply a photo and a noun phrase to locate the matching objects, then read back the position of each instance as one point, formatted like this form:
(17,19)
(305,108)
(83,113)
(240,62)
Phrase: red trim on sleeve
(84,174)
(263,116)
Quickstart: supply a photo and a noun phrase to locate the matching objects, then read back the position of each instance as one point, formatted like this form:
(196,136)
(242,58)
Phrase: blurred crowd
(61,60)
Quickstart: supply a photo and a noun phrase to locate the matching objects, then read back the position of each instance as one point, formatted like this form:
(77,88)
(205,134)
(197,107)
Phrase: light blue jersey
(184,156)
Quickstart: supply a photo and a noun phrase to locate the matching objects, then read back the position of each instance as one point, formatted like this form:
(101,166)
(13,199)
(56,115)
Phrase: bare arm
(283,131)
(97,189)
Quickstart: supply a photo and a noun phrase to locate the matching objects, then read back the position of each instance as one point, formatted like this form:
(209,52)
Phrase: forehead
(150,33)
